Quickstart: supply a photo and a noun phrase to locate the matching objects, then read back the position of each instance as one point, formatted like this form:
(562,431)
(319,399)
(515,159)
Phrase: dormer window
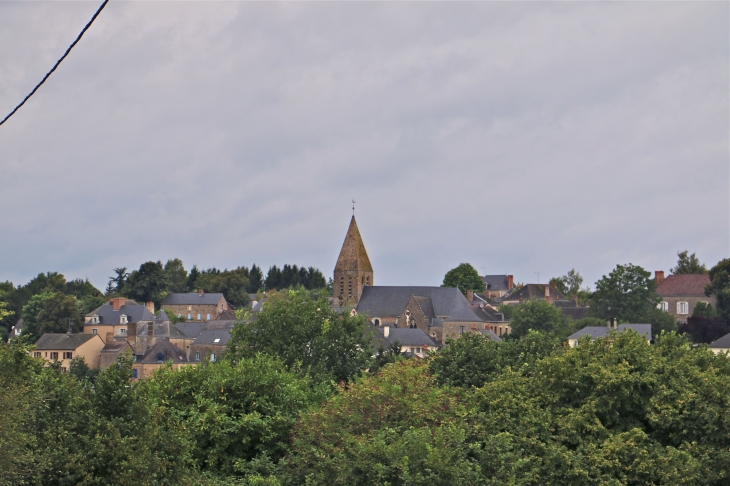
(95,319)
(123,319)
(160,357)
(217,340)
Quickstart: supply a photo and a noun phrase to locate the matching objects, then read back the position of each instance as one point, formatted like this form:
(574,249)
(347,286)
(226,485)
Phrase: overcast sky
(519,137)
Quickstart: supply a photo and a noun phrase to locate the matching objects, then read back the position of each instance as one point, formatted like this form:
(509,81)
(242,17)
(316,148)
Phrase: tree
(273,278)
(704,329)
(193,279)
(464,277)
(720,287)
(176,275)
(627,294)
(147,284)
(118,282)
(233,284)
(704,309)
(688,264)
(50,312)
(4,312)
(569,284)
(536,315)
(307,335)
(255,279)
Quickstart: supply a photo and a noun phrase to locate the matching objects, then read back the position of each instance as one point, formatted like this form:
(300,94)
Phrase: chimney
(470,295)
(117,303)
(150,307)
(575,299)
(615,324)
(608,324)
(200,292)
(510,282)
(658,277)
(547,292)
(386,331)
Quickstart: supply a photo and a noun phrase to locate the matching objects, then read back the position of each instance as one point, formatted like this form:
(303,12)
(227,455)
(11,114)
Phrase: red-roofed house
(680,293)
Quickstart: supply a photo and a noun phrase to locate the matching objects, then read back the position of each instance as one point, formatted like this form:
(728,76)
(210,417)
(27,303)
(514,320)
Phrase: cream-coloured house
(62,348)
(596,332)
(722,345)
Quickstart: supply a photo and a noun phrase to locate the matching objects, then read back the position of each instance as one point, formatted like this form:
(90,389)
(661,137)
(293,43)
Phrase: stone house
(439,312)
(681,293)
(113,350)
(413,342)
(210,345)
(196,306)
(161,354)
(498,285)
(63,347)
(546,292)
(113,319)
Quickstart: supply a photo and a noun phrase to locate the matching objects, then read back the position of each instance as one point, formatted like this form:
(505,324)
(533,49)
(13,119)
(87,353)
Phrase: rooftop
(192,298)
(63,340)
(689,285)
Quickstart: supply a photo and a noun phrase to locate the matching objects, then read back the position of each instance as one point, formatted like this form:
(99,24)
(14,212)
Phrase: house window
(36,354)
(376,321)
(367,280)
(197,356)
(123,319)
(179,316)
(67,355)
(190,316)
(54,356)
(663,306)
(212,357)
(94,331)
(217,340)
(121,332)
(95,320)
(160,357)
(198,316)
(461,330)
(207,317)
(419,350)
(134,373)
(682,307)
(63,369)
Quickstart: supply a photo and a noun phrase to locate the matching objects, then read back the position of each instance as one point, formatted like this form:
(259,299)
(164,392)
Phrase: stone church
(353,270)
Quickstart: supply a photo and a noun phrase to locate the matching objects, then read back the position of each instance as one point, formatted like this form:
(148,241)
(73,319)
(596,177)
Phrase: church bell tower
(353,270)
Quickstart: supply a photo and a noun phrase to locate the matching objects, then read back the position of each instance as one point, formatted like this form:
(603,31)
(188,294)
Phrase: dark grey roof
(491,335)
(565,303)
(426,306)
(487,314)
(602,331)
(19,325)
(191,329)
(409,337)
(169,352)
(192,298)
(162,315)
(209,337)
(107,315)
(63,340)
(219,324)
(115,346)
(495,282)
(723,342)
(447,303)
(533,291)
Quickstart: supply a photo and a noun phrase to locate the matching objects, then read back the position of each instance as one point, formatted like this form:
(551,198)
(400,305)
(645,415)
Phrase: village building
(353,271)
(163,353)
(63,347)
(681,293)
(412,342)
(112,320)
(720,346)
(527,292)
(498,285)
(596,332)
(112,350)
(196,306)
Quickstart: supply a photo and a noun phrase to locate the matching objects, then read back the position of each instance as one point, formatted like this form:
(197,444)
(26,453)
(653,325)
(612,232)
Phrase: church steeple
(353,270)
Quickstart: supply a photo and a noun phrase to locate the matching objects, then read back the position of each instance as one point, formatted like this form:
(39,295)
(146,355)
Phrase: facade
(113,350)
(112,320)
(439,312)
(63,347)
(596,332)
(196,306)
(498,285)
(353,271)
(163,353)
(681,293)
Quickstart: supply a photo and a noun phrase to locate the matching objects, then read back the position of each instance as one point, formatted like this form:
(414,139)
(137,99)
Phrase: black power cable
(57,62)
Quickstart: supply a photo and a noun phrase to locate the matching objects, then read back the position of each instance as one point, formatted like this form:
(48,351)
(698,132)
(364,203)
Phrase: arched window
(198,316)
(376,321)
(367,280)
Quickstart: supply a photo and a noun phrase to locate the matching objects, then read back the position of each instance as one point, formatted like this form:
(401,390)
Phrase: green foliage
(627,294)
(537,315)
(48,312)
(79,369)
(237,416)
(720,287)
(255,279)
(148,284)
(307,335)
(704,329)
(176,276)
(233,284)
(464,277)
(118,283)
(292,276)
(397,427)
(704,309)
(4,312)
(659,320)
(473,359)
(508,310)
(569,284)
(688,264)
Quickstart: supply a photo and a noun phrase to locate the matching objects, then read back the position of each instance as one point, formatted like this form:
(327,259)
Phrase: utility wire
(57,62)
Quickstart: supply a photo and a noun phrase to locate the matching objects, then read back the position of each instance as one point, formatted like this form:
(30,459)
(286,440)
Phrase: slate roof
(491,335)
(192,298)
(115,346)
(577,313)
(353,255)
(19,325)
(723,342)
(495,282)
(533,291)
(209,337)
(383,301)
(191,329)
(602,331)
(409,337)
(683,285)
(52,340)
(487,314)
(169,352)
(107,315)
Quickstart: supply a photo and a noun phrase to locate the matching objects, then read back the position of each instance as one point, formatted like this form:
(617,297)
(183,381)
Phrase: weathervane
(353,206)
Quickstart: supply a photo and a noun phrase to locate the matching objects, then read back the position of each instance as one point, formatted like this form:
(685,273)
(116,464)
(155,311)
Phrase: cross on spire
(353,206)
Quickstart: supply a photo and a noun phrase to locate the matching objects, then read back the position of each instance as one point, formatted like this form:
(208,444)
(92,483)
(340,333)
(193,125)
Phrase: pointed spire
(353,255)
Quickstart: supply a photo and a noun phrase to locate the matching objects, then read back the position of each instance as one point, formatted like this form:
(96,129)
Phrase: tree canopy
(720,287)
(628,294)
(464,277)
(688,264)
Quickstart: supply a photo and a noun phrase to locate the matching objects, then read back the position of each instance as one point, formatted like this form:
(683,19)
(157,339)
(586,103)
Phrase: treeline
(153,280)
(299,400)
